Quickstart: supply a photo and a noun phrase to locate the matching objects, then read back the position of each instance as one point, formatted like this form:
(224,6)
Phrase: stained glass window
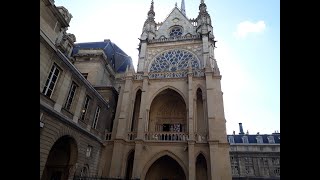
(175,32)
(174,60)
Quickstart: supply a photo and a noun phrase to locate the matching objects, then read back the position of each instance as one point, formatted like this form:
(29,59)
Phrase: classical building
(101,118)
(76,109)
(254,156)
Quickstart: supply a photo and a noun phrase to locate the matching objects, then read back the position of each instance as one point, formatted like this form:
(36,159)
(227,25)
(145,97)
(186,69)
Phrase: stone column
(142,55)
(191,157)
(142,121)
(124,109)
(216,119)
(190,105)
(220,165)
(143,110)
(138,155)
(116,160)
(214,163)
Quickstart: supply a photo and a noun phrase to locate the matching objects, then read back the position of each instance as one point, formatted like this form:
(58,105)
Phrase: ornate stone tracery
(174,60)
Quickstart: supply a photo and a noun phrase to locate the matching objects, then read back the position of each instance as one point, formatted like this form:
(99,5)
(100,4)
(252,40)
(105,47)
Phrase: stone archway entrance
(168,113)
(165,168)
(61,159)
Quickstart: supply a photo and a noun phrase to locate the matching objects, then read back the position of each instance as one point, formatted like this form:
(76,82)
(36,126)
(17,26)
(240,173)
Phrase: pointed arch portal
(165,168)
(129,165)
(201,168)
(168,112)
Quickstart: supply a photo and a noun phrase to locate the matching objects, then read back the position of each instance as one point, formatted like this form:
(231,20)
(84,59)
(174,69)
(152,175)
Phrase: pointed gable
(175,18)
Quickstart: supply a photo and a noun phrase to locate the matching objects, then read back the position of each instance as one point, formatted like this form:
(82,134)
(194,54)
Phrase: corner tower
(171,110)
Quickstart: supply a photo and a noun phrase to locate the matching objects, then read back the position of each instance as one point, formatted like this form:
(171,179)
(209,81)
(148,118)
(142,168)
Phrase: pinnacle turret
(183,9)
(151,12)
(149,26)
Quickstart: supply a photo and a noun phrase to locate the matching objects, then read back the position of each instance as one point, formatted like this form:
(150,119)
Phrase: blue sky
(248,48)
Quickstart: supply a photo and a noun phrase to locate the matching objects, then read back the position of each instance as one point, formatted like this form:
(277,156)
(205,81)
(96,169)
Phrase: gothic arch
(134,109)
(201,165)
(159,155)
(162,89)
(199,86)
(196,58)
(204,155)
(126,163)
(137,89)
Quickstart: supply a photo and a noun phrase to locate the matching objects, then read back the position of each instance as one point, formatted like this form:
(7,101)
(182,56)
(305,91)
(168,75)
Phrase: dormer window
(245,139)
(259,140)
(231,139)
(175,32)
(271,139)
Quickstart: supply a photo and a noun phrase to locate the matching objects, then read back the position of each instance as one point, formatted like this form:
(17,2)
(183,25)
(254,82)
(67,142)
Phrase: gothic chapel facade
(173,106)
(163,122)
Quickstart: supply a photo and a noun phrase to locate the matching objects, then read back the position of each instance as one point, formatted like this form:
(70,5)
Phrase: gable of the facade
(175,20)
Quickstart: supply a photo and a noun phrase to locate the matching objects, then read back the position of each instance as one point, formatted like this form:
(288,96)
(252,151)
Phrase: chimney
(241,129)
(234,132)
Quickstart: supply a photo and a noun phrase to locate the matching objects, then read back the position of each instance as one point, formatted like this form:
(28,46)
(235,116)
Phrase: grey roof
(117,57)
(253,138)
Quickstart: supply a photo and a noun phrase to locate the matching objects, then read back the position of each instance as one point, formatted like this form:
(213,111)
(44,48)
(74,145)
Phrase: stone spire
(149,26)
(183,9)
(151,12)
(203,19)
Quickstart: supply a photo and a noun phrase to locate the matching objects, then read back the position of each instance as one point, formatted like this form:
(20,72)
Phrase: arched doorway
(201,168)
(165,168)
(168,112)
(129,165)
(61,159)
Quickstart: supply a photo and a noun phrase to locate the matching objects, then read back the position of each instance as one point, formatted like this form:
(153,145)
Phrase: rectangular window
(51,81)
(71,94)
(96,116)
(271,139)
(245,139)
(89,149)
(85,107)
(259,139)
(231,139)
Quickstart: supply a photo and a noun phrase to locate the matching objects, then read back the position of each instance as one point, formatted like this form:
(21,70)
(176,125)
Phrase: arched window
(175,32)
(174,60)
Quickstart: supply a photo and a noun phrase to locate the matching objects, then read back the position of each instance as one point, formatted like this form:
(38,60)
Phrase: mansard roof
(115,55)
(253,138)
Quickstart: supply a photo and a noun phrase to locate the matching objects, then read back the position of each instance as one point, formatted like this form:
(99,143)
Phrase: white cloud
(246,27)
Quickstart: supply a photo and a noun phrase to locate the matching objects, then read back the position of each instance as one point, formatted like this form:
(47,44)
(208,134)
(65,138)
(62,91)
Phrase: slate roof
(252,138)
(117,57)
